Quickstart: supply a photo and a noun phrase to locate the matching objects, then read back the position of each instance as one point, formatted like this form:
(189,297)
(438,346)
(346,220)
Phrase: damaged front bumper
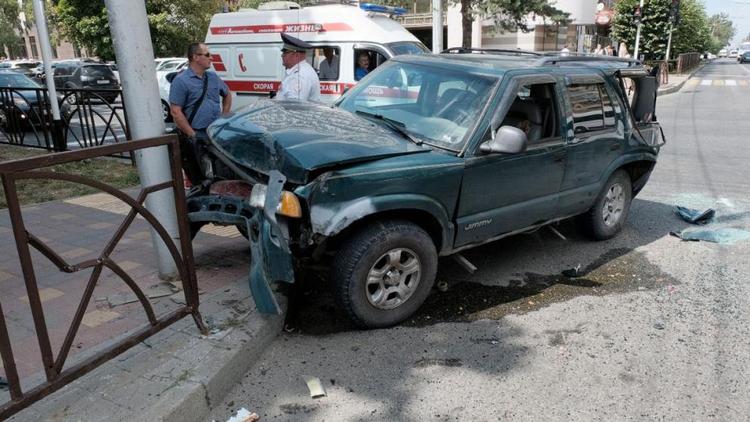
(269,246)
(271,258)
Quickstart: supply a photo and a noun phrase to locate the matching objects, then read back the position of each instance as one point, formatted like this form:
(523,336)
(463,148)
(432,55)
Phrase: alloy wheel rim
(393,279)
(614,205)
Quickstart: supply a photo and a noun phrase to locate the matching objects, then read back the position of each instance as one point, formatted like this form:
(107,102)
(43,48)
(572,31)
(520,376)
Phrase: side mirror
(507,140)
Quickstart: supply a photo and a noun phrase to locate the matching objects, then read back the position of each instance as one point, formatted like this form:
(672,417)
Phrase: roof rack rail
(553,60)
(465,50)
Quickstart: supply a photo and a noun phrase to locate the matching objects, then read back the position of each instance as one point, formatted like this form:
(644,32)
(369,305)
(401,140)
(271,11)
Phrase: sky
(739,14)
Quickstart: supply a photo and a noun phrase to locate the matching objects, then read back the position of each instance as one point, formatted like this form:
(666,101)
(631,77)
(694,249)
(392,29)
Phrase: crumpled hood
(298,138)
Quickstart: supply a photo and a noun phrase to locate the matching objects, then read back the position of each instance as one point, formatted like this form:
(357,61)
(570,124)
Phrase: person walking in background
(301,82)
(599,50)
(609,51)
(622,51)
(565,51)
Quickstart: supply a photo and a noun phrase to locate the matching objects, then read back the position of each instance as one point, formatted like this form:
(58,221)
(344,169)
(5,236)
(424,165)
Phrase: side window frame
(510,93)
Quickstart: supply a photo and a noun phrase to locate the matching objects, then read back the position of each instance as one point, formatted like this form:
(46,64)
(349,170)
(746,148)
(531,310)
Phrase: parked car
(745,57)
(164,79)
(732,54)
(82,74)
(20,98)
(26,67)
(425,157)
(723,53)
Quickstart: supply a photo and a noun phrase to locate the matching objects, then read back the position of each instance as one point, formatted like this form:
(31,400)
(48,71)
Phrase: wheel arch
(424,212)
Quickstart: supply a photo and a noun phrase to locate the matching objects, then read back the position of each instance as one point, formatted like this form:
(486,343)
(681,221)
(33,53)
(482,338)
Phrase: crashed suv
(425,157)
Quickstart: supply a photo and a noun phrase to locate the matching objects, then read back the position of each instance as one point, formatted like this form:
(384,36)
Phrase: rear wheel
(607,217)
(384,272)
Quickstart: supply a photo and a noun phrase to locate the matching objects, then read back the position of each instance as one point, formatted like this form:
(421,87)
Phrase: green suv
(428,156)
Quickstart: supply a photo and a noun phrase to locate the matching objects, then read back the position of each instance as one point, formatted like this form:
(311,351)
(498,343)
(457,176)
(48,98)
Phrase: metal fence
(88,118)
(57,375)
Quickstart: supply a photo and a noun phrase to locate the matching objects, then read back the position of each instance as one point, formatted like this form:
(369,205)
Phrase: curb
(677,87)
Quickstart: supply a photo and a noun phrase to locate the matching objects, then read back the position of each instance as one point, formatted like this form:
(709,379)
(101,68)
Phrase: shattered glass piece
(726,235)
(695,216)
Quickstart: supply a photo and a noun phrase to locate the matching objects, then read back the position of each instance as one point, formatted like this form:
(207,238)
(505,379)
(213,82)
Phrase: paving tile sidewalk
(160,377)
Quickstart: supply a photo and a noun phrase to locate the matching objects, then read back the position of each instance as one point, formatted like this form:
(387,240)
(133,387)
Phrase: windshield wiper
(399,127)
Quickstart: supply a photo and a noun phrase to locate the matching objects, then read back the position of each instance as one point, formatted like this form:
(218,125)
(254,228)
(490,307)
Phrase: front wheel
(607,217)
(384,272)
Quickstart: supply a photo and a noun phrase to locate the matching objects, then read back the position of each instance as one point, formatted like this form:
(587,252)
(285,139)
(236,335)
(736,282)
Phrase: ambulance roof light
(378,8)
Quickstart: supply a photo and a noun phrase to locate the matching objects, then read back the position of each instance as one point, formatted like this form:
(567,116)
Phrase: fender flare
(329,221)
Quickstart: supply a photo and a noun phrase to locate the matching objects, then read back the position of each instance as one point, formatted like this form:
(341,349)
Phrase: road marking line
(718,82)
(706,82)
(743,83)
(693,82)
(731,82)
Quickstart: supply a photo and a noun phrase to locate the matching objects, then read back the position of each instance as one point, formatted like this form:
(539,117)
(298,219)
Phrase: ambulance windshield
(436,105)
(408,47)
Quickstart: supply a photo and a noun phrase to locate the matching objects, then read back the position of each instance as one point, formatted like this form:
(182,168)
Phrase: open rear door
(642,105)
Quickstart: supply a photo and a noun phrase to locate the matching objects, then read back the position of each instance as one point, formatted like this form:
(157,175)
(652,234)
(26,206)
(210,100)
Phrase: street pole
(41,27)
(128,25)
(437,26)
(638,34)
(669,43)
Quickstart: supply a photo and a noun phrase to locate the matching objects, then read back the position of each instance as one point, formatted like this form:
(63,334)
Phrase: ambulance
(246,46)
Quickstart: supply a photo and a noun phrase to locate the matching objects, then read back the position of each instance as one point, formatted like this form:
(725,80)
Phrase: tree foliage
(722,31)
(173,24)
(691,34)
(509,15)
(9,24)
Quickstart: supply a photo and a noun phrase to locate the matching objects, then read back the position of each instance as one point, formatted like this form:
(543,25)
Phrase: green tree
(9,25)
(722,31)
(509,15)
(173,24)
(691,34)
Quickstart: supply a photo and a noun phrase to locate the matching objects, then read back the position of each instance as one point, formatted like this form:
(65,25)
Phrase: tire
(195,228)
(607,217)
(383,251)
(165,112)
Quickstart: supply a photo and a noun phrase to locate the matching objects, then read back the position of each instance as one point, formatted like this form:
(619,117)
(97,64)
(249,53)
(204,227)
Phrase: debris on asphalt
(573,272)
(244,415)
(442,286)
(315,386)
(659,325)
(725,235)
(694,216)
(425,362)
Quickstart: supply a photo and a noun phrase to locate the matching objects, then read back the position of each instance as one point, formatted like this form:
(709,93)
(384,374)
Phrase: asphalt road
(656,329)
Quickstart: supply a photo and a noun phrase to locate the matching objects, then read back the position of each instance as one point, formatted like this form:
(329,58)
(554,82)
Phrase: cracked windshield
(434,105)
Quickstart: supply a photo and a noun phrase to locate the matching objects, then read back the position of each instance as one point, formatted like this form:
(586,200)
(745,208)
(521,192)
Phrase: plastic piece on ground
(573,272)
(244,415)
(315,387)
(695,216)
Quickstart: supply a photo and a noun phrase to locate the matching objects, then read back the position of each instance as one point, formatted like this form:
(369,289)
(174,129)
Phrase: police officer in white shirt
(301,82)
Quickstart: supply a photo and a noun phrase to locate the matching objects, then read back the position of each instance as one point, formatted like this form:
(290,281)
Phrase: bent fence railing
(57,375)
(88,118)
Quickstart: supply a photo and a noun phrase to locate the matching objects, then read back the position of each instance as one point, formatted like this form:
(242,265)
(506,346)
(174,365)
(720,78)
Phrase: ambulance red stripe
(218,63)
(291,27)
(331,88)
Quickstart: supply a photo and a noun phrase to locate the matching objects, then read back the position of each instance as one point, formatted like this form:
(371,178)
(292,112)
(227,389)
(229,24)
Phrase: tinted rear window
(97,71)
(400,48)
